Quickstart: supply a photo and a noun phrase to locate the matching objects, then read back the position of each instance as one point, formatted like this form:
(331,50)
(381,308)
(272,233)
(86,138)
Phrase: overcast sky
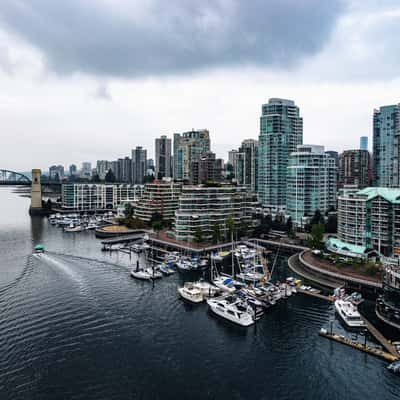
(91,79)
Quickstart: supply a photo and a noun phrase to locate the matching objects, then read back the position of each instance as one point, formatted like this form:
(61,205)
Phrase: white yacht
(154,272)
(349,314)
(232,309)
(141,274)
(224,283)
(184,264)
(166,268)
(191,293)
(207,289)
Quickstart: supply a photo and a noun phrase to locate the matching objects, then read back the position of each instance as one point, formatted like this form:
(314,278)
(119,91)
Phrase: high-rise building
(188,148)
(364,143)
(163,158)
(311,183)
(139,164)
(206,209)
(281,131)
(102,167)
(246,164)
(73,170)
(86,170)
(355,168)
(232,157)
(386,146)
(56,172)
(207,169)
(126,172)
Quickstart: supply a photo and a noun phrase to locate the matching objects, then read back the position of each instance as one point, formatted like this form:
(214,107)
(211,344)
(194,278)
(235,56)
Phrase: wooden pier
(359,346)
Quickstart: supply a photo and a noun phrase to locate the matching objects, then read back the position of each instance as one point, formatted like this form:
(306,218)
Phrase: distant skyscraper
(281,130)
(102,167)
(311,183)
(86,171)
(139,164)
(73,170)
(386,146)
(163,157)
(56,172)
(232,157)
(208,168)
(188,148)
(364,143)
(246,165)
(355,168)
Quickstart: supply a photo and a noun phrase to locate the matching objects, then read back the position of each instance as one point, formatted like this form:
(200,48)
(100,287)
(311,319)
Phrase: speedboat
(224,283)
(349,314)
(166,268)
(394,367)
(39,249)
(191,293)
(232,309)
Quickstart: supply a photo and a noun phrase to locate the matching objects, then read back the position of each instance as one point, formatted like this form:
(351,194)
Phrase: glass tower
(281,131)
(386,139)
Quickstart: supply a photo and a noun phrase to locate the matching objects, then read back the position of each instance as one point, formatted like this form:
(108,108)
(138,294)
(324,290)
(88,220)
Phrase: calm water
(74,325)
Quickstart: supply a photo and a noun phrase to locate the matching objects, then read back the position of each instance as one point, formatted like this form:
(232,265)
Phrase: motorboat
(91,226)
(349,314)
(191,293)
(394,367)
(252,273)
(166,268)
(220,255)
(184,264)
(72,228)
(207,289)
(232,309)
(224,283)
(39,249)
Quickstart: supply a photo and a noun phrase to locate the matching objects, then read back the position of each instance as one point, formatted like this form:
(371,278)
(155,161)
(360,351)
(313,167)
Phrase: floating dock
(316,294)
(356,345)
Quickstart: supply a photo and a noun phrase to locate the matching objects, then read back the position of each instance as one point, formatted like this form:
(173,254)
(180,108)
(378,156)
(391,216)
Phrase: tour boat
(232,309)
(191,293)
(349,314)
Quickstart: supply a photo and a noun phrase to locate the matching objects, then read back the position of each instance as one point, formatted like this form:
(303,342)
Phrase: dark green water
(74,326)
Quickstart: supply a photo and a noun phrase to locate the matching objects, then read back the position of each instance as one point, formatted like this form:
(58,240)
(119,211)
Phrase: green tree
(157,226)
(110,177)
(315,240)
(216,236)
(128,211)
(230,224)
(317,218)
(96,178)
(198,235)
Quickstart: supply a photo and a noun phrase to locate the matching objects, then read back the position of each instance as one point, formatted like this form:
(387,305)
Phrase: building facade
(355,168)
(163,168)
(386,146)
(371,218)
(102,167)
(159,197)
(207,169)
(139,165)
(311,183)
(56,172)
(206,209)
(246,164)
(98,197)
(281,131)
(364,143)
(188,149)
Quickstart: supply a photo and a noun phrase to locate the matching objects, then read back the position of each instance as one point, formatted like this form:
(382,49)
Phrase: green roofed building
(370,218)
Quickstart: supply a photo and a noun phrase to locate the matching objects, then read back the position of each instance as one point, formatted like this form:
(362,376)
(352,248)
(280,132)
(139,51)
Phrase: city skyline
(77,107)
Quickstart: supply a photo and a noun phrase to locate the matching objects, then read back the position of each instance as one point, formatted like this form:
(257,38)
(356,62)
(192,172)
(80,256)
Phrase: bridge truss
(13,178)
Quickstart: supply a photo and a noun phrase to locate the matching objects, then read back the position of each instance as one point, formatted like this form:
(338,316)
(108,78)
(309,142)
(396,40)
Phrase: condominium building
(281,131)
(86,170)
(311,183)
(139,165)
(97,197)
(163,158)
(371,218)
(188,148)
(364,143)
(207,169)
(205,209)
(355,168)
(246,164)
(159,197)
(386,146)
(102,167)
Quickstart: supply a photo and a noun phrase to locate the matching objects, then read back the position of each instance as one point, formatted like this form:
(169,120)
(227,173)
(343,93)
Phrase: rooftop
(390,194)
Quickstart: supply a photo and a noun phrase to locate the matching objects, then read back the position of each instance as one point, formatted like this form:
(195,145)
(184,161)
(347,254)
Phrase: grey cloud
(141,38)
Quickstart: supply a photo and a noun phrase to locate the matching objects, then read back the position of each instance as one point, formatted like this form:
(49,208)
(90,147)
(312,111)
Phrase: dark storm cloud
(153,37)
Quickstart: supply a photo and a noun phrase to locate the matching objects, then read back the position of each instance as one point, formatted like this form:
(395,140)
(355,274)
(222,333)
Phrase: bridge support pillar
(36,194)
